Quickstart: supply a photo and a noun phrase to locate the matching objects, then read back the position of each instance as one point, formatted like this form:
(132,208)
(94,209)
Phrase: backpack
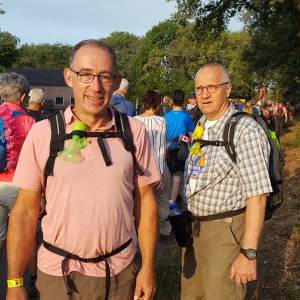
(59,135)
(276,161)
(10,141)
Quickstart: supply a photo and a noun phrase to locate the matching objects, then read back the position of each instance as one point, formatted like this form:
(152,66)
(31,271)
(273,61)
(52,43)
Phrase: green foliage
(8,49)
(175,66)
(292,139)
(273,26)
(44,56)
(126,46)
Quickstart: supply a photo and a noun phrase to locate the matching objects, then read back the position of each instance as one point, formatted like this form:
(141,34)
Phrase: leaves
(8,49)
(44,56)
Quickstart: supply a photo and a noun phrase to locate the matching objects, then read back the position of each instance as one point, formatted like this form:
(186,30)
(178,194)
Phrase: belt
(227,214)
(67,255)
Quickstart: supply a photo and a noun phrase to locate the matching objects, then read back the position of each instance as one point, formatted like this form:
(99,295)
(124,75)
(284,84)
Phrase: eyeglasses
(86,77)
(210,88)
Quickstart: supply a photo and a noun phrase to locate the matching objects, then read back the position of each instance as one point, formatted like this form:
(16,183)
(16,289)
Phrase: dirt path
(279,254)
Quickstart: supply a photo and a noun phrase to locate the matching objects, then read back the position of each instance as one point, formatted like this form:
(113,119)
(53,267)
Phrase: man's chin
(96,110)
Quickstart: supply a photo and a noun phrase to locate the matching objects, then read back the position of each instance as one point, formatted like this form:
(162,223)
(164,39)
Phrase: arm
(253,152)
(146,219)
(242,269)
(285,114)
(21,236)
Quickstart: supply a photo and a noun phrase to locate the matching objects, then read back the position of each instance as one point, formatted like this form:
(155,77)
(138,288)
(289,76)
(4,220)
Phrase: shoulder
(136,125)
(249,128)
(160,119)
(248,124)
(168,115)
(41,129)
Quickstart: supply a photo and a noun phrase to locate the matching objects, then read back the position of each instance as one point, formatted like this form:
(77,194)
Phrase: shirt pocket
(219,168)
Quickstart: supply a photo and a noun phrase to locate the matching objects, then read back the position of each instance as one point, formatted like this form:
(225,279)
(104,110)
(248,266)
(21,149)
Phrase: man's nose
(96,84)
(205,93)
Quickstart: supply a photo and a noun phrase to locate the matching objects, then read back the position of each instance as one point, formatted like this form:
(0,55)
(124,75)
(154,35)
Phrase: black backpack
(59,135)
(276,161)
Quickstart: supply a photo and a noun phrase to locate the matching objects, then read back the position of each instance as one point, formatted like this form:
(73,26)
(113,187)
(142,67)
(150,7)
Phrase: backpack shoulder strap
(58,128)
(228,133)
(122,124)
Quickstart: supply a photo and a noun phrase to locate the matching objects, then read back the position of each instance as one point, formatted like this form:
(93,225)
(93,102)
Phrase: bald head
(218,68)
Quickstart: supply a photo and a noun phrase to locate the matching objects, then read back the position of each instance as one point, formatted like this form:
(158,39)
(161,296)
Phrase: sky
(69,21)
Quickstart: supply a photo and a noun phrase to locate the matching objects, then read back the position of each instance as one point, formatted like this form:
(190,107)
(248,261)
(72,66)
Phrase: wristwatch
(250,253)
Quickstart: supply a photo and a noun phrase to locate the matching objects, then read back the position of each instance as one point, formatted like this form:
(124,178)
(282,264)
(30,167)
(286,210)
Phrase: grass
(168,275)
(168,269)
(292,138)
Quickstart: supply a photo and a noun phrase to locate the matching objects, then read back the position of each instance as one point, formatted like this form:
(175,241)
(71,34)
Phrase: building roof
(41,77)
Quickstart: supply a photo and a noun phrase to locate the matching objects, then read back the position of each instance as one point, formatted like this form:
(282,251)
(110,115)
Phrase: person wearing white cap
(35,103)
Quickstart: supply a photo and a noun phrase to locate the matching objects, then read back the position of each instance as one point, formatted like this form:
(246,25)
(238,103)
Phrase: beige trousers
(88,288)
(206,266)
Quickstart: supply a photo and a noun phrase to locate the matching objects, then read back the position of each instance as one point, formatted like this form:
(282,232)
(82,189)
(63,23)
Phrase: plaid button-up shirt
(215,184)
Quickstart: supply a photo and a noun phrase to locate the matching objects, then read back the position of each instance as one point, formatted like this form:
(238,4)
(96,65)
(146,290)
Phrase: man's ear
(23,98)
(228,89)
(68,77)
(117,82)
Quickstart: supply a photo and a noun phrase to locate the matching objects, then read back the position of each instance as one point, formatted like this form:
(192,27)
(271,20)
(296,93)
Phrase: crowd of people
(276,113)
(131,168)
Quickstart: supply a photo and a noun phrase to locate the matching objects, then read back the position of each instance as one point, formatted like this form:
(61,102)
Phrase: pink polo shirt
(89,205)
(23,124)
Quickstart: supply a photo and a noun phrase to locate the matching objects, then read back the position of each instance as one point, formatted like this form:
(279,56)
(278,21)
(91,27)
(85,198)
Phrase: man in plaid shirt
(227,199)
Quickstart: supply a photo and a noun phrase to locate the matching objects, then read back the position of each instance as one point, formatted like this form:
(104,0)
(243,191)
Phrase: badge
(198,164)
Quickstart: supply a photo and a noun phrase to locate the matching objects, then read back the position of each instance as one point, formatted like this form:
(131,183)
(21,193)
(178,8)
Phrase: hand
(159,185)
(17,293)
(243,269)
(145,285)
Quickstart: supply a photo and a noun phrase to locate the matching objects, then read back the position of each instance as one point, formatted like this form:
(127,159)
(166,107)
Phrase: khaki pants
(206,266)
(89,288)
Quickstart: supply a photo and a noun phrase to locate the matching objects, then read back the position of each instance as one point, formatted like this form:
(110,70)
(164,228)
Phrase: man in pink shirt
(91,207)
(15,124)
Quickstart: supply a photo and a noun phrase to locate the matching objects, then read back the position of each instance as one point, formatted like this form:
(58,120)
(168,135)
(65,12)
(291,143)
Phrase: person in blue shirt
(179,122)
(119,101)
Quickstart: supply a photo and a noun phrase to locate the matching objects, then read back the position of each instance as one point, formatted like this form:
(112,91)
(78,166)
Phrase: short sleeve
(253,151)
(28,172)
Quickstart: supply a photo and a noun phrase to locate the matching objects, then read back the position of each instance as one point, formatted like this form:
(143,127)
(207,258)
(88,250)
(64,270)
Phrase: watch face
(249,253)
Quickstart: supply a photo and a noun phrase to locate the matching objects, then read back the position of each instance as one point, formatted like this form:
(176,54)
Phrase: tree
(273,25)
(8,49)
(126,46)
(44,56)
(175,66)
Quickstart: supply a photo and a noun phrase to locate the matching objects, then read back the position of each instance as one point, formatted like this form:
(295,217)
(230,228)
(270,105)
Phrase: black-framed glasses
(210,88)
(86,77)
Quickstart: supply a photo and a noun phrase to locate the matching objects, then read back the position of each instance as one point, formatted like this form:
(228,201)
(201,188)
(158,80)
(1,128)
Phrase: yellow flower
(198,132)
(197,135)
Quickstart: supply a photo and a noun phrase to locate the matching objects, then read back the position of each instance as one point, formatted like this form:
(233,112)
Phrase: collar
(70,117)
(221,121)
(12,106)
